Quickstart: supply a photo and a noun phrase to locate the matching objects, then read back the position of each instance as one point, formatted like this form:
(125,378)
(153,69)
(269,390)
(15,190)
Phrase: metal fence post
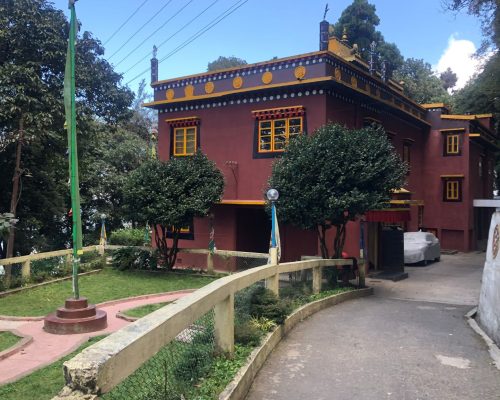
(224,325)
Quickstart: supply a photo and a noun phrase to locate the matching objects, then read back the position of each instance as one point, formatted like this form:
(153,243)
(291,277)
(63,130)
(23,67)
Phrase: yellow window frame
(452,190)
(183,138)
(452,144)
(273,136)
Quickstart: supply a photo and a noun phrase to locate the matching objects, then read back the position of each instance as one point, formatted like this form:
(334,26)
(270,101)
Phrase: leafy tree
(420,83)
(489,15)
(333,176)
(360,21)
(448,79)
(33,41)
(225,62)
(168,195)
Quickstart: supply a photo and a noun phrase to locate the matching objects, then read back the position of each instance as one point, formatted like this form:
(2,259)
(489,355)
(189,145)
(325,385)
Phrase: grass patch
(42,384)
(7,340)
(142,311)
(106,285)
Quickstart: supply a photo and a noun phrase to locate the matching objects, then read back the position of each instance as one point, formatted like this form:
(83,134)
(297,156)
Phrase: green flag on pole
(70,110)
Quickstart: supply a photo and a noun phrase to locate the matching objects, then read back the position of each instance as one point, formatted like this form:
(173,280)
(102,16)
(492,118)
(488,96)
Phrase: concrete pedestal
(77,316)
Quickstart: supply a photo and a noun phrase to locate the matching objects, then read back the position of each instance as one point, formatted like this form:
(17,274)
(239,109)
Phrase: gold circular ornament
(267,77)
(354,81)
(189,91)
(496,239)
(237,82)
(170,94)
(300,72)
(338,74)
(209,87)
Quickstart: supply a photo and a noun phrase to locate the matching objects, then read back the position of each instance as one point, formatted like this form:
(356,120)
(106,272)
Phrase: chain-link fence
(174,372)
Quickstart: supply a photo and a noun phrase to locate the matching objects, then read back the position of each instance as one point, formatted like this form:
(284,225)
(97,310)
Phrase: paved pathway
(408,342)
(47,348)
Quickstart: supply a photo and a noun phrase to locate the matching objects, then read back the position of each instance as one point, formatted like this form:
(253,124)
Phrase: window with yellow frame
(185,141)
(452,190)
(275,134)
(186,232)
(452,144)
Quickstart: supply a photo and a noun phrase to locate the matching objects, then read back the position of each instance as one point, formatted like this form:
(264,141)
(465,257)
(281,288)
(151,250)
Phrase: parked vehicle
(421,247)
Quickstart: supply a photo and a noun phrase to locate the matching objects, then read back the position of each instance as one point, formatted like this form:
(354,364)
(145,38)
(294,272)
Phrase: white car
(421,247)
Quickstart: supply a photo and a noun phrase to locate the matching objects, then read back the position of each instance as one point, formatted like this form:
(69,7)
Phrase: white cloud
(459,57)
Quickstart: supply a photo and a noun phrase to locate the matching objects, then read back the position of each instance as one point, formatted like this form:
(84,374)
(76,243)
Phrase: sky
(258,30)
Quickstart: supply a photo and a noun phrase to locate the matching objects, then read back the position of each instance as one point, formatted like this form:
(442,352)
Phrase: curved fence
(98,369)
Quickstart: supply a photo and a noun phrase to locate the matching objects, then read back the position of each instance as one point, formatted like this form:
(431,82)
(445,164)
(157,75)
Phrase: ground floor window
(452,189)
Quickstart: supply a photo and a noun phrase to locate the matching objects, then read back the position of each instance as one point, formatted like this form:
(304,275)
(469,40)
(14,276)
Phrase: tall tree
(168,195)
(420,83)
(360,22)
(333,176)
(33,40)
(225,62)
(448,79)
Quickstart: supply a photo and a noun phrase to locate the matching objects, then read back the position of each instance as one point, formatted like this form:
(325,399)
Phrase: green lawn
(108,284)
(42,384)
(142,311)
(7,340)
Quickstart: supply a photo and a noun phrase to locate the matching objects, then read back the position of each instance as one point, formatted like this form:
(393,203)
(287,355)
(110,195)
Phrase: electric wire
(207,27)
(127,41)
(150,36)
(175,33)
(128,19)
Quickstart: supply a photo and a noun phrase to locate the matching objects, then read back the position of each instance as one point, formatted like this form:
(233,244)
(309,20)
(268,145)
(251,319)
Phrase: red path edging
(25,340)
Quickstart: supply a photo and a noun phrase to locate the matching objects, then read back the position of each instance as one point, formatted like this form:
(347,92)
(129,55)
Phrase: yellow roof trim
(474,134)
(451,130)
(452,176)
(409,202)
(220,94)
(466,117)
(244,202)
(434,105)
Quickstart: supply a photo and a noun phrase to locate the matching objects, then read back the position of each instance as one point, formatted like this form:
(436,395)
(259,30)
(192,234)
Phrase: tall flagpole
(69,101)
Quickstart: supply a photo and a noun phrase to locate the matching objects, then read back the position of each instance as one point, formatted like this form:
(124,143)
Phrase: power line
(175,33)
(128,19)
(140,29)
(149,37)
(207,27)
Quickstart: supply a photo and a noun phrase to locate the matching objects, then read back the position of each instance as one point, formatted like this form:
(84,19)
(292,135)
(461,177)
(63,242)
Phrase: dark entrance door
(253,229)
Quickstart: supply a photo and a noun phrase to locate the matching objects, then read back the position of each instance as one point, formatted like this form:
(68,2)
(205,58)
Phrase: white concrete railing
(26,260)
(101,367)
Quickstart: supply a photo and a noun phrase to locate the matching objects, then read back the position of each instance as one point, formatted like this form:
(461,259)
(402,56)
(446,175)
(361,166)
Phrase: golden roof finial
(344,35)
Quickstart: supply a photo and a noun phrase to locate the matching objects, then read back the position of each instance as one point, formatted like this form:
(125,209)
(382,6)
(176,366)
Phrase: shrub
(134,258)
(264,303)
(127,237)
(193,363)
(246,333)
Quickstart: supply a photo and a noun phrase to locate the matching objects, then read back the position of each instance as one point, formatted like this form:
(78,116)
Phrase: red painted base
(77,316)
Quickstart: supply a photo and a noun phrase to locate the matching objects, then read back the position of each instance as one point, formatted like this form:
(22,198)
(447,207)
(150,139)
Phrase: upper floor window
(184,136)
(452,187)
(185,141)
(275,127)
(275,134)
(452,147)
(372,122)
(452,142)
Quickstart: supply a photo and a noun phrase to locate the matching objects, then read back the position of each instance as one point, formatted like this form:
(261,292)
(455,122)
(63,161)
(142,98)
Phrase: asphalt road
(410,341)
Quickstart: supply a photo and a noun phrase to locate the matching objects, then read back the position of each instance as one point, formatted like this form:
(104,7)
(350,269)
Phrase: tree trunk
(322,241)
(14,200)
(339,240)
